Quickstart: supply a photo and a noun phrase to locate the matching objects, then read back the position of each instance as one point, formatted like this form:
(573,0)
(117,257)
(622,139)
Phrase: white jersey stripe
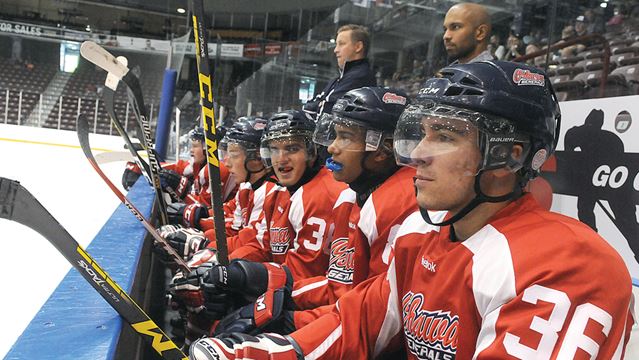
(368,221)
(325,345)
(493,280)
(392,324)
(309,287)
(296,215)
(346,196)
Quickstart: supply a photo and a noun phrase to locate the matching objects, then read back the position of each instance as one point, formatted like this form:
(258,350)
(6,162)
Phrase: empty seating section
(86,84)
(579,76)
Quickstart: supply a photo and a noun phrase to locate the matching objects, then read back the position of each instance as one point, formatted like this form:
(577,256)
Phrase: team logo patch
(392,98)
(279,240)
(341,263)
(538,159)
(430,334)
(526,77)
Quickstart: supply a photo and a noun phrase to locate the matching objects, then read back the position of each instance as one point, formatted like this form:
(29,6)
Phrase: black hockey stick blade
(83,137)
(208,120)
(19,205)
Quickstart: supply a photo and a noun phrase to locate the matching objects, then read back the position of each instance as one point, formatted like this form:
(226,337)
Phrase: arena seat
(630,73)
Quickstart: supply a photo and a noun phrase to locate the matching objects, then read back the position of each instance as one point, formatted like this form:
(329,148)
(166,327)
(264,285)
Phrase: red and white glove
(187,215)
(187,241)
(242,346)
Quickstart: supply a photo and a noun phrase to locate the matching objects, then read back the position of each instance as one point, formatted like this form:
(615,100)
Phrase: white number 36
(548,328)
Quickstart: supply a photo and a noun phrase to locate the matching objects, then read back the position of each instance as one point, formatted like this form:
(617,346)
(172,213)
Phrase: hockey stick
(103,59)
(208,120)
(83,136)
(110,86)
(17,204)
(108,94)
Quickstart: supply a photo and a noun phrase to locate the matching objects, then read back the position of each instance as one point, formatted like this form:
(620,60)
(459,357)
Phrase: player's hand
(187,215)
(242,346)
(171,179)
(130,175)
(187,241)
(188,291)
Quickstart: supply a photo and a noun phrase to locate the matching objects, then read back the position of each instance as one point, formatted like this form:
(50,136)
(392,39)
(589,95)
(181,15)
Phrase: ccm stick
(208,120)
(105,60)
(17,204)
(110,86)
(83,136)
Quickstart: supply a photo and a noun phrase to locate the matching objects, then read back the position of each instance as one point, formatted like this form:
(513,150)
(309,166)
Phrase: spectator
(497,50)
(351,48)
(466,30)
(532,46)
(567,34)
(514,45)
(594,22)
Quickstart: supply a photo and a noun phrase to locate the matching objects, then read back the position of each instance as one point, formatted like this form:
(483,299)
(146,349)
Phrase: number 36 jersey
(530,284)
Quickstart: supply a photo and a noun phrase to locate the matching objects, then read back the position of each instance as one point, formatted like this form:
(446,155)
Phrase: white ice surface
(51,165)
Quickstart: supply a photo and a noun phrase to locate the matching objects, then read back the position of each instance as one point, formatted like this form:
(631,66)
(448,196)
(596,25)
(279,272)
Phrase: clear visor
(423,136)
(280,151)
(346,134)
(222,148)
(241,153)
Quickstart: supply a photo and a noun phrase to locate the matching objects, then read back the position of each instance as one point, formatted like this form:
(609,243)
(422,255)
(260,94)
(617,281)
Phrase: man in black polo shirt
(351,48)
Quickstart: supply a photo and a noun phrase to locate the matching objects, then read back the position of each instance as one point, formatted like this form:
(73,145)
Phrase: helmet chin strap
(479,198)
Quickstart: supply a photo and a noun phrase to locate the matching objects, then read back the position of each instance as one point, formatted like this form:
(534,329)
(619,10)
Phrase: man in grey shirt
(467,30)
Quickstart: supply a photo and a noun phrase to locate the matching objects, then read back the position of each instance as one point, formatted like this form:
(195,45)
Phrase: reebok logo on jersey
(429,265)
(341,263)
(279,240)
(430,334)
(351,225)
(280,209)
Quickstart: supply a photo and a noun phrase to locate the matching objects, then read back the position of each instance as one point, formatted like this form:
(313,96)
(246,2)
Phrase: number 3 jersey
(530,284)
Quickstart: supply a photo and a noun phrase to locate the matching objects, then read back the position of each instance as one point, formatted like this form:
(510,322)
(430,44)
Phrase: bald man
(466,33)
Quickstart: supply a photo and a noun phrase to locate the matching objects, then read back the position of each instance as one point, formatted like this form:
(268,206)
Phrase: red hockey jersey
(200,190)
(530,284)
(298,228)
(361,246)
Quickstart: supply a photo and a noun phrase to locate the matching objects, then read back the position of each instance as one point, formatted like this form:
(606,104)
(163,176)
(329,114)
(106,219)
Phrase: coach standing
(351,48)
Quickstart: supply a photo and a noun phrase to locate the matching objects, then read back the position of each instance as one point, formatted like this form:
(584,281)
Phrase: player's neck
(477,219)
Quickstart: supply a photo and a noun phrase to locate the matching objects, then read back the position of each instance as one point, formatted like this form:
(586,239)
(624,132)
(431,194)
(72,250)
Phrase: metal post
(6,106)
(249,108)
(40,112)
(126,118)
(110,127)
(221,115)
(95,116)
(60,112)
(19,107)
(151,114)
(266,25)
(299,24)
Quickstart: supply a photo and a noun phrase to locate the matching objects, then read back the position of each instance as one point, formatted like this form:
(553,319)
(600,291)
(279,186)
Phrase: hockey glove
(189,292)
(242,346)
(187,241)
(131,174)
(178,183)
(187,215)
(272,311)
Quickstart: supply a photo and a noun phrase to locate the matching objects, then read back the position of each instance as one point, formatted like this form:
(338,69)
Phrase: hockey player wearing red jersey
(198,199)
(481,271)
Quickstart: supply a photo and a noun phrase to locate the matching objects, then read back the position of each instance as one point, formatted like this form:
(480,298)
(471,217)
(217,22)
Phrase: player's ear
(516,153)
(385,151)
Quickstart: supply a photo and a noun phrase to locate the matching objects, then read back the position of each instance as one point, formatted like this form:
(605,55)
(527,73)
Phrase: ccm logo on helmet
(525,77)
(391,98)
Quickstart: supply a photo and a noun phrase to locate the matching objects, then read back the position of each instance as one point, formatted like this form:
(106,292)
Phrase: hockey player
(481,270)
(198,200)
(358,135)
